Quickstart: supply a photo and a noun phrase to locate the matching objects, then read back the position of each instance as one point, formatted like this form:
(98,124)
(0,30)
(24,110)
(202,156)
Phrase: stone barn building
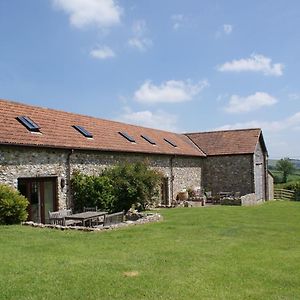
(236,160)
(40,148)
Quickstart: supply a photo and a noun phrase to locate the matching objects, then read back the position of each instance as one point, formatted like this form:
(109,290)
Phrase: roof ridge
(225,130)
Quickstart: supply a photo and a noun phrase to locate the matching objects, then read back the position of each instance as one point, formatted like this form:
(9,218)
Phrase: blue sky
(179,65)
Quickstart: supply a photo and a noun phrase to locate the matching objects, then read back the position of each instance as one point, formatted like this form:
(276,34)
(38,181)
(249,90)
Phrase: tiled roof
(242,141)
(57,132)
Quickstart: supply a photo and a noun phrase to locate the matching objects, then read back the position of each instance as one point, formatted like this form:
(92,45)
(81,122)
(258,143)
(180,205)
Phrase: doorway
(164,188)
(42,197)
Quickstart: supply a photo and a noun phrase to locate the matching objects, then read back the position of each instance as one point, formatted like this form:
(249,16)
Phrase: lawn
(195,253)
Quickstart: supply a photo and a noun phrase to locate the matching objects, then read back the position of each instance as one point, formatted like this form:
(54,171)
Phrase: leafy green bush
(134,184)
(293,186)
(92,191)
(117,188)
(277,179)
(12,206)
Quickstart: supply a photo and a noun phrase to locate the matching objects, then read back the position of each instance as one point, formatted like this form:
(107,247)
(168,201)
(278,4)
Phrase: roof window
(28,123)
(83,131)
(170,142)
(148,139)
(127,137)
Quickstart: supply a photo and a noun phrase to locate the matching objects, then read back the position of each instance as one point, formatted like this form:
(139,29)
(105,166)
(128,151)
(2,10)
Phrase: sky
(177,65)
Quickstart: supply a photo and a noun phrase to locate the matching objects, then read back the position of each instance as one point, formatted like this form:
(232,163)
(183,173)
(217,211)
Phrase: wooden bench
(58,218)
(112,219)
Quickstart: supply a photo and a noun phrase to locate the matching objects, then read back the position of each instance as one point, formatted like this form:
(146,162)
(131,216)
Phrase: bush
(277,179)
(12,206)
(92,191)
(293,186)
(117,188)
(134,184)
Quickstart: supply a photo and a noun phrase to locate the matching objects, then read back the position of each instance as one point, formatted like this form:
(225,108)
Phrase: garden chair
(96,221)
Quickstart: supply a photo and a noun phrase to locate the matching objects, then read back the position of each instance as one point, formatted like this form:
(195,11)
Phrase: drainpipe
(68,175)
(266,177)
(172,178)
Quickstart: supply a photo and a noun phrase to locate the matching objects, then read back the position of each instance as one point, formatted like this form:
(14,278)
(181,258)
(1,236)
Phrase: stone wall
(185,171)
(270,187)
(22,162)
(226,173)
(260,175)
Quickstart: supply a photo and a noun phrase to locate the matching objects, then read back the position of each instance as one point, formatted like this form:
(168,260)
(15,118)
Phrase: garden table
(87,216)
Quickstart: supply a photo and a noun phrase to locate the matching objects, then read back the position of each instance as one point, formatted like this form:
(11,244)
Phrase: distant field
(294,177)
(195,253)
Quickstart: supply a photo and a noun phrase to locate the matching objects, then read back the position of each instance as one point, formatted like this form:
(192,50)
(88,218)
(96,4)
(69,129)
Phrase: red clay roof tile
(57,132)
(242,141)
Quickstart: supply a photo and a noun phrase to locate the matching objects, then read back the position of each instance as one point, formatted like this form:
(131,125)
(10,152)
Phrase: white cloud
(172,91)
(102,13)
(139,40)
(289,123)
(227,28)
(294,96)
(158,119)
(238,104)
(102,52)
(177,21)
(142,44)
(139,27)
(256,63)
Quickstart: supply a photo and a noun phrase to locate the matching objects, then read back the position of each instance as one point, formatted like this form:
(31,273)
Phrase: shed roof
(56,131)
(228,142)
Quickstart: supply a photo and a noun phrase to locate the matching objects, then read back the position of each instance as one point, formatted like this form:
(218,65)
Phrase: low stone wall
(250,199)
(148,218)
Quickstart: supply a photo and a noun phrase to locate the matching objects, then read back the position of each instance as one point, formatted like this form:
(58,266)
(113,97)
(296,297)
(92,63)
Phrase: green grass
(195,253)
(293,177)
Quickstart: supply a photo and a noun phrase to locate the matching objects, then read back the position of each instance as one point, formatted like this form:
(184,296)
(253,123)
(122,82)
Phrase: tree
(286,167)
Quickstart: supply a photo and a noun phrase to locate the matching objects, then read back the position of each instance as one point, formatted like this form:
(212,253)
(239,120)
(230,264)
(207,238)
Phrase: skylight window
(127,137)
(148,139)
(28,123)
(83,131)
(170,142)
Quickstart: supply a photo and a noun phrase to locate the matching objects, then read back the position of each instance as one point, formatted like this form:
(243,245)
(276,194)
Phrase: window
(170,142)
(83,131)
(148,139)
(127,137)
(28,123)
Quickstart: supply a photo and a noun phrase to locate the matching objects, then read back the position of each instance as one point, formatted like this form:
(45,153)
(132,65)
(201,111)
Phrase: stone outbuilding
(236,160)
(40,149)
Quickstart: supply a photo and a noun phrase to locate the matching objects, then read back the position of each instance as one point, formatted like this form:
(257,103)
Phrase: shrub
(92,191)
(117,188)
(277,179)
(134,184)
(12,206)
(293,186)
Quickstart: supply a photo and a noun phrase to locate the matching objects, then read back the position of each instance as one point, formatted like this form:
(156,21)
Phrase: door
(165,191)
(41,194)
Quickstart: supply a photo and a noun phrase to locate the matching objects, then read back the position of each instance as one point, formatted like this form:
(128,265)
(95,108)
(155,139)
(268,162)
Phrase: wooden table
(87,216)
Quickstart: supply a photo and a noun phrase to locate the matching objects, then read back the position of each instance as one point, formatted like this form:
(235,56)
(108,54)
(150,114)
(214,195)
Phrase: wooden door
(42,196)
